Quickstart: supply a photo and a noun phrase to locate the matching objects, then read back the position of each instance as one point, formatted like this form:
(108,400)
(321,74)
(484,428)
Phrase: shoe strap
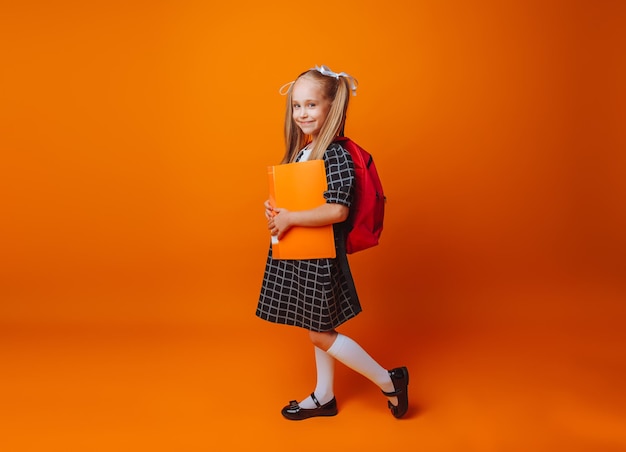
(392,393)
(317,403)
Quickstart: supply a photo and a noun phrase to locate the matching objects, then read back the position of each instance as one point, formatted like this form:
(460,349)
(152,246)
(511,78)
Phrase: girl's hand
(280,222)
(269,211)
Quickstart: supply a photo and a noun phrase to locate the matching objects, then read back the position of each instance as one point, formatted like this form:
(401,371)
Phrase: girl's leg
(325,366)
(348,352)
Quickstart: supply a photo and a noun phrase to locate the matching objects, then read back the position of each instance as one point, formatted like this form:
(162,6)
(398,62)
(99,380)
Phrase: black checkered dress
(315,294)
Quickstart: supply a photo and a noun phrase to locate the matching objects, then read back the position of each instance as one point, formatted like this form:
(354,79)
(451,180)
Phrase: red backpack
(368,205)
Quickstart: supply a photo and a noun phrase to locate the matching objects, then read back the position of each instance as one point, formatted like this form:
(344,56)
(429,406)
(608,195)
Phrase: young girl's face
(310,106)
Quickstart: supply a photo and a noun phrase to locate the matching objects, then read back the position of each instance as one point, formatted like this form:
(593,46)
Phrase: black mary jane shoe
(294,412)
(400,378)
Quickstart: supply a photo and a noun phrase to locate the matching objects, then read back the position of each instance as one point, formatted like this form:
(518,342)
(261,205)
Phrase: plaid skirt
(315,294)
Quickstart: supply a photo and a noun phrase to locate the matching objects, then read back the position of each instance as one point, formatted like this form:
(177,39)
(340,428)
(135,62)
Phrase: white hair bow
(325,70)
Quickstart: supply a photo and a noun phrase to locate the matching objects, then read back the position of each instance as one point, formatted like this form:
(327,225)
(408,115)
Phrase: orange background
(134,138)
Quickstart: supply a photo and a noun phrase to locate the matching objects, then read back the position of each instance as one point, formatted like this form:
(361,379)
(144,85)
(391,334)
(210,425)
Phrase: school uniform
(315,294)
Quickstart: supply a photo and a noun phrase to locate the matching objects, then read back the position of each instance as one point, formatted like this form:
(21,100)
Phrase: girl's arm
(328,213)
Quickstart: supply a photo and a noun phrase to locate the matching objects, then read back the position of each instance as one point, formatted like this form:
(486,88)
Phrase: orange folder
(301,186)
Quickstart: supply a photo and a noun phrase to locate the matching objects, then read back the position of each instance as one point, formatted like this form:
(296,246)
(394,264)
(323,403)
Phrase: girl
(319,294)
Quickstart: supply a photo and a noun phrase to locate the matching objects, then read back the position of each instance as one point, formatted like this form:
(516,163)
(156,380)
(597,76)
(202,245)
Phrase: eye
(295,106)
(311,105)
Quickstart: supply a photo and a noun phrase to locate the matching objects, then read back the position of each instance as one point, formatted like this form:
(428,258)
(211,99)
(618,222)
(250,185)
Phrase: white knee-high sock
(325,367)
(348,352)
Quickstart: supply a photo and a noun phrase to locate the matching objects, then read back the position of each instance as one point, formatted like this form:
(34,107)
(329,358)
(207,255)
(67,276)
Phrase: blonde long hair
(337,90)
